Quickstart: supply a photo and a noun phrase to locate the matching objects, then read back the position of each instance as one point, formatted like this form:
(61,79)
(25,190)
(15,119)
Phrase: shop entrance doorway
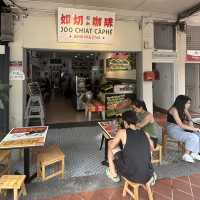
(163,88)
(69,80)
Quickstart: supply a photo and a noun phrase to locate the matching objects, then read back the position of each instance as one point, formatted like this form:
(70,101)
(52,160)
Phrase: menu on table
(25,137)
(196,120)
(109,127)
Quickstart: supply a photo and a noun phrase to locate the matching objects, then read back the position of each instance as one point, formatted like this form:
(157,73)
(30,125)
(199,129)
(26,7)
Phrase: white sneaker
(155,176)
(195,156)
(188,158)
(152,180)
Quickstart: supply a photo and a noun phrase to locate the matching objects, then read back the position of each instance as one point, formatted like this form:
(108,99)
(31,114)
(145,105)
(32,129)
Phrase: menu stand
(105,161)
(107,136)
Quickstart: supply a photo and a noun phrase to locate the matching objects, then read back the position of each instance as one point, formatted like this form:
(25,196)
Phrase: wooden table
(196,120)
(25,137)
(109,131)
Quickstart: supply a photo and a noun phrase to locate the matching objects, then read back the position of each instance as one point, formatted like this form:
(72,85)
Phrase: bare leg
(111,153)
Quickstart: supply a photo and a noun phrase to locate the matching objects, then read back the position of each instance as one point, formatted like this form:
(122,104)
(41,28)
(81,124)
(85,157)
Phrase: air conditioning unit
(6,27)
(164,56)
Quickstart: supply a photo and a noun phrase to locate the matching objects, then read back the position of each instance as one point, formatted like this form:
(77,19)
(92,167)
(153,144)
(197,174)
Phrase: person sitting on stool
(134,160)
(180,127)
(146,121)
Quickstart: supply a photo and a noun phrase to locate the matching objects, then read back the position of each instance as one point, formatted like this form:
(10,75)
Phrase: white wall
(180,63)
(146,61)
(16,91)
(163,93)
(126,38)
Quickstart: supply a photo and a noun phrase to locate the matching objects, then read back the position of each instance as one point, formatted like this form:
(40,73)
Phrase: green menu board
(115,104)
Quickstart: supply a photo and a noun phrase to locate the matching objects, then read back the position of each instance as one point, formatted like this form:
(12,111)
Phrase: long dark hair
(139,103)
(179,104)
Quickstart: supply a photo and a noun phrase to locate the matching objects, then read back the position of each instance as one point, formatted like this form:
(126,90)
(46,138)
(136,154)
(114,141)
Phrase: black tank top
(171,119)
(137,156)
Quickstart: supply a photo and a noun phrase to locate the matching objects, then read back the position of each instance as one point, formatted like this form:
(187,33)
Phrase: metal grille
(193,38)
(164,36)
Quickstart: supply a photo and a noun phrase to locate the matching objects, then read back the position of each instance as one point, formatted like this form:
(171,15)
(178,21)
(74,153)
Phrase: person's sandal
(114,179)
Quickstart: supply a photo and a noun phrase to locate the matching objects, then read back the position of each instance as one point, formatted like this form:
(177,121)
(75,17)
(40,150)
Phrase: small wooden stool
(5,157)
(14,182)
(52,155)
(157,150)
(133,189)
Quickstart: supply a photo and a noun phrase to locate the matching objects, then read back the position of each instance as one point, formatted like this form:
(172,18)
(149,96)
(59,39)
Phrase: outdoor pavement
(180,188)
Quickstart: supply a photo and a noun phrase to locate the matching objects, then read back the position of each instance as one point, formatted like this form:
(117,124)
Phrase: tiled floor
(180,188)
(61,110)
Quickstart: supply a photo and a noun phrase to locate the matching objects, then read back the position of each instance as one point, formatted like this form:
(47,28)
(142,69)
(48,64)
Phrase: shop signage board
(85,26)
(193,55)
(16,71)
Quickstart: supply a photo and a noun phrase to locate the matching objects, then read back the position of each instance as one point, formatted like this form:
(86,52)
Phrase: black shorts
(119,163)
(122,170)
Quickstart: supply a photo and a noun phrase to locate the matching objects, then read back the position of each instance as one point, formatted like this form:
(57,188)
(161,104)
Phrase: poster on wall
(116,104)
(120,62)
(16,71)
(85,26)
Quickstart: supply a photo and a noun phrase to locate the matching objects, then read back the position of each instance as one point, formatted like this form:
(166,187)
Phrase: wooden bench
(52,155)
(132,189)
(14,182)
